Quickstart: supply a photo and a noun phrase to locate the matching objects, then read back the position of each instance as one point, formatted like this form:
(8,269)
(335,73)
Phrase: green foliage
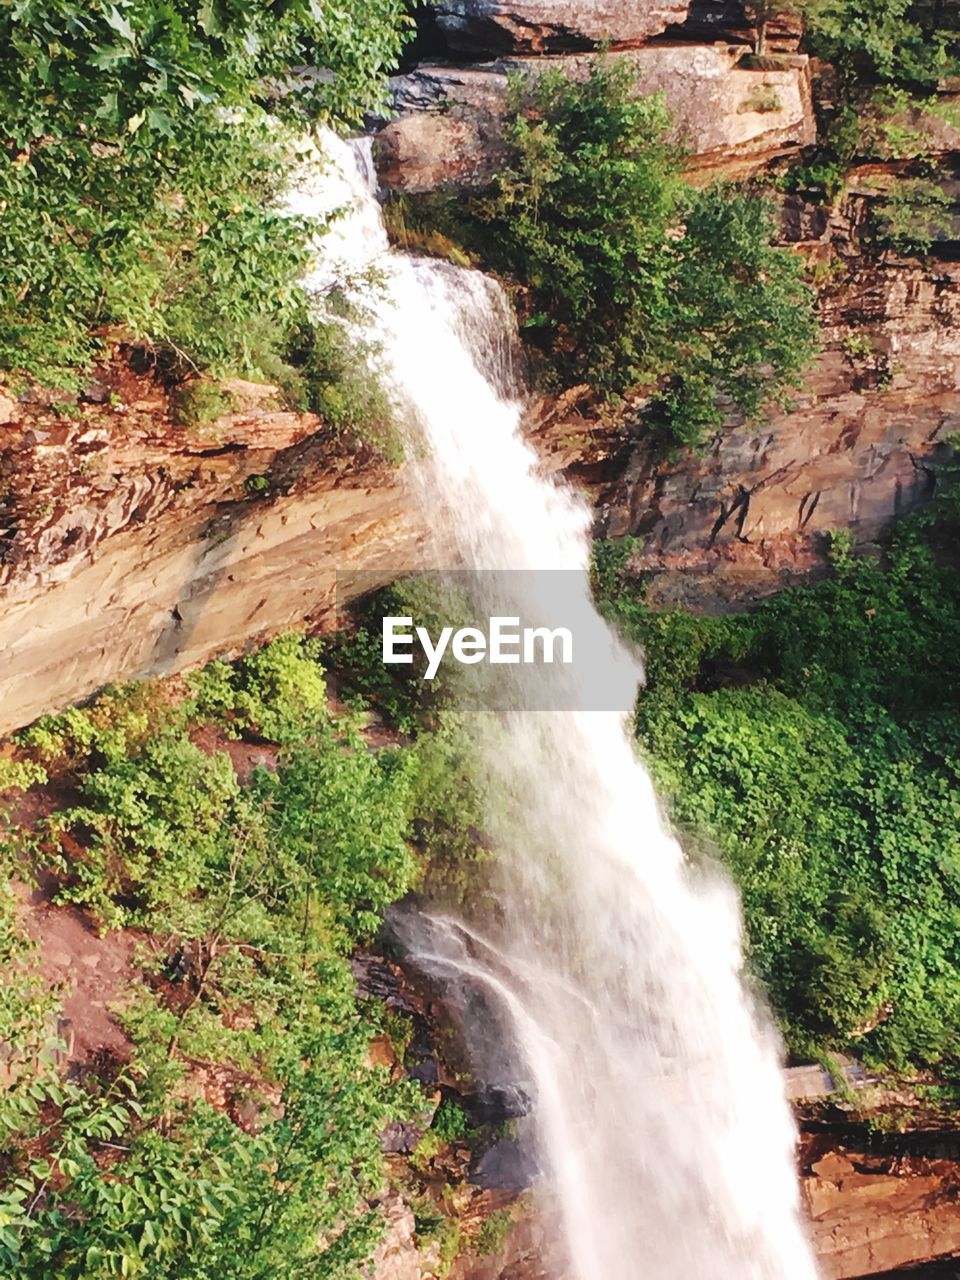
(343,811)
(653,285)
(115,723)
(814,745)
(405,698)
(890,40)
(277,693)
(434,1227)
(451,796)
(19,775)
(742,318)
(451,1123)
(916,213)
(116,116)
(153,825)
(331,374)
(493,1233)
(250,897)
(201,401)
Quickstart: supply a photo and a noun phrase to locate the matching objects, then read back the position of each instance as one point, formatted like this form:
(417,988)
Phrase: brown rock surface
(91,970)
(536,26)
(860,445)
(870,1214)
(732,118)
(132,547)
(397,1256)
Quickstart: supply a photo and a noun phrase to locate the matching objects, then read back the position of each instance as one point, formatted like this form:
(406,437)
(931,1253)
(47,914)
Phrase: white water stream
(658,1095)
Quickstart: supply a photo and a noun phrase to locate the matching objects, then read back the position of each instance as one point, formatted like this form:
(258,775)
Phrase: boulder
(539,26)
(732,118)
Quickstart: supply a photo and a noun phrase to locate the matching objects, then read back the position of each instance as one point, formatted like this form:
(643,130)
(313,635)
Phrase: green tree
(638,280)
(888,40)
(146,148)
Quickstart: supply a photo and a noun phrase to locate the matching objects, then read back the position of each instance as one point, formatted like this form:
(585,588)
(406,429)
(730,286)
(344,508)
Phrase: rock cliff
(732,118)
(542,25)
(861,443)
(131,546)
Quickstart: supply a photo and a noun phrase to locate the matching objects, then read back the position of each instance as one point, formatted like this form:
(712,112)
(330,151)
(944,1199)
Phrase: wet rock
(494,1103)
(384,981)
(508,1165)
(538,26)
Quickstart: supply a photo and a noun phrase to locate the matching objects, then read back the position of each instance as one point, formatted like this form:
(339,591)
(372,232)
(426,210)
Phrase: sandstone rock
(871,1213)
(131,547)
(733,20)
(8,409)
(732,119)
(397,1257)
(537,26)
(860,446)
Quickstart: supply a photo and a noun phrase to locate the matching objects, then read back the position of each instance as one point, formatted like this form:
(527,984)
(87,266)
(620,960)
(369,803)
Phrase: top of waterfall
(337,183)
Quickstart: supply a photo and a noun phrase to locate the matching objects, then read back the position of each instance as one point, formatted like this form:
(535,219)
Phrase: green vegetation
(889,56)
(916,212)
(653,285)
(242,1137)
(147,146)
(814,746)
(493,1232)
(897,41)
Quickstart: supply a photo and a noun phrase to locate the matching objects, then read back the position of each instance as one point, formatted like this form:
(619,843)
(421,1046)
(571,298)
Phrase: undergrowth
(148,149)
(242,1135)
(813,744)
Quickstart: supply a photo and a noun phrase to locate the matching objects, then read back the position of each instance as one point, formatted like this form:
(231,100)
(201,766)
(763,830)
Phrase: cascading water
(659,1103)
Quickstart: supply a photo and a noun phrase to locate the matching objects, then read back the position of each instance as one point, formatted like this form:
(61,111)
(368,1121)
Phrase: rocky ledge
(538,26)
(861,443)
(731,117)
(132,546)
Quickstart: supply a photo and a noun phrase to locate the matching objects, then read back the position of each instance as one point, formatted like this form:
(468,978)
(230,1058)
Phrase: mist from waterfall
(617,966)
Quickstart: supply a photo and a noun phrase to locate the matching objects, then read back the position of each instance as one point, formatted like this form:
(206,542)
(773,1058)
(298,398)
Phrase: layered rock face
(862,441)
(871,1213)
(861,445)
(130,546)
(732,119)
(541,25)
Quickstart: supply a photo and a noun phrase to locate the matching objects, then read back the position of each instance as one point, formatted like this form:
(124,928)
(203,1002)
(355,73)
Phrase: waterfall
(658,1097)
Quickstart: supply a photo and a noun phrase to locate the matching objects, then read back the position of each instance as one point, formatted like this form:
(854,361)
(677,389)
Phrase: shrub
(814,745)
(892,40)
(248,900)
(636,279)
(916,213)
(493,1233)
(277,692)
(116,116)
